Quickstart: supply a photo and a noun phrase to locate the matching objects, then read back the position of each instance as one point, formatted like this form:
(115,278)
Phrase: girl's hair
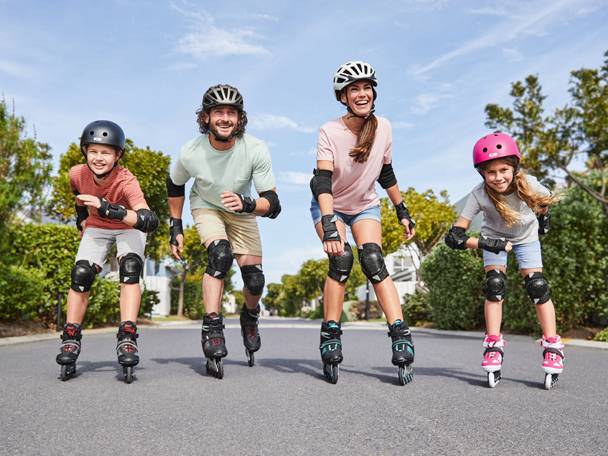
(520,185)
(365,139)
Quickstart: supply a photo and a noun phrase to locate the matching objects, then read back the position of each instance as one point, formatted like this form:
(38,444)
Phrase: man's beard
(222,138)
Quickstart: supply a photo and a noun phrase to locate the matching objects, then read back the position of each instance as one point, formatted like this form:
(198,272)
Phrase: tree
(433,216)
(25,168)
(151,169)
(576,133)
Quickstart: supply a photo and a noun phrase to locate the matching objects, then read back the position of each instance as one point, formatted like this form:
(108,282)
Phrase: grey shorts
(96,242)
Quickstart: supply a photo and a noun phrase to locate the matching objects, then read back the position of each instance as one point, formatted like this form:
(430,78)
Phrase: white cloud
(531,21)
(207,40)
(294,178)
(513,54)
(15,69)
(274,122)
(401,125)
(496,10)
(265,17)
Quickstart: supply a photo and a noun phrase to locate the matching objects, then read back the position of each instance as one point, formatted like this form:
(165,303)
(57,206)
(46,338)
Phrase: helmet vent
(499,146)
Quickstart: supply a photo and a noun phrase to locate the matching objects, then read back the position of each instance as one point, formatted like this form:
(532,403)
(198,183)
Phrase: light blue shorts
(372,213)
(528,256)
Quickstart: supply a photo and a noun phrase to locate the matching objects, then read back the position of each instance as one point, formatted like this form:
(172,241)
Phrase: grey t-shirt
(494,226)
(215,171)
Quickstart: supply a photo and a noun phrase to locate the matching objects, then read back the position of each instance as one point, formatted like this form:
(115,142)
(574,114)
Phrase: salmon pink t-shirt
(120,187)
(354,184)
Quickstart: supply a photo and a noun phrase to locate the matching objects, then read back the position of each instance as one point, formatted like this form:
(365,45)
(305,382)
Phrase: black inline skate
(331,350)
(126,348)
(403,350)
(214,343)
(250,332)
(69,350)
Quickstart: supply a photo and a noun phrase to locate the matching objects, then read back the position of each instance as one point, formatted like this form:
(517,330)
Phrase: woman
(353,152)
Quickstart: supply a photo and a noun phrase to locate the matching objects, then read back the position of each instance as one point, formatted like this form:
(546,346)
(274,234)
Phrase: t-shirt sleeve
(132,192)
(325,150)
(388,151)
(179,174)
(537,187)
(262,175)
(73,181)
(471,207)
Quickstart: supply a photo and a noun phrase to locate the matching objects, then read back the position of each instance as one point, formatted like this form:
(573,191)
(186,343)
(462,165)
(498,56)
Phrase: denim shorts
(372,213)
(528,256)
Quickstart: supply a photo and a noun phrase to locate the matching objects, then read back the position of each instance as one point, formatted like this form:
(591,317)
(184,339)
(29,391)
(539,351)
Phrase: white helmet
(351,72)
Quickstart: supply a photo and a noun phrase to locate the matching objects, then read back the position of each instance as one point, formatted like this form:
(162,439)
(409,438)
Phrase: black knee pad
(253,278)
(372,262)
(83,275)
(495,285)
(220,258)
(340,266)
(537,288)
(131,267)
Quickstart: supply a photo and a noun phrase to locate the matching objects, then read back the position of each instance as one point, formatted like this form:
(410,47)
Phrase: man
(224,161)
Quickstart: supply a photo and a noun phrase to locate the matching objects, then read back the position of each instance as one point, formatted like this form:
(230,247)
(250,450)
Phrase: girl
(510,202)
(354,151)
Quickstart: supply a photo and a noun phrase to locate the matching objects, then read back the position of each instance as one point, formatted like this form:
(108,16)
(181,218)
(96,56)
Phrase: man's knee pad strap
(537,288)
(372,262)
(253,278)
(220,258)
(495,285)
(131,267)
(340,266)
(83,275)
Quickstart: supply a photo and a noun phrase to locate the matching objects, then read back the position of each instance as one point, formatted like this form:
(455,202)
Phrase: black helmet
(222,95)
(103,132)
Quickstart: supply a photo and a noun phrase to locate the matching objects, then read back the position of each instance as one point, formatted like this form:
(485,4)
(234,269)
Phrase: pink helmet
(493,146)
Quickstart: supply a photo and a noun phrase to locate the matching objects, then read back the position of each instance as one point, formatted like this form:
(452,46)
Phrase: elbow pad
(321,182)
(175,190)
(456,238)
(275,206)
(387,176)
(147,221)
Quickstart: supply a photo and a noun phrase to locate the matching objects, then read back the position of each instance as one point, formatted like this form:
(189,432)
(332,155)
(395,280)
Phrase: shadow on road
(197,363)
(104,366)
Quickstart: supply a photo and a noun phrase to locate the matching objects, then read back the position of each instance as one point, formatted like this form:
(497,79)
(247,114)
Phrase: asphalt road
(284,406)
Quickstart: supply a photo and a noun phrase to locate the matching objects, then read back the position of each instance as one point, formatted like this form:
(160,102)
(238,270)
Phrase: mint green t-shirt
(216,171)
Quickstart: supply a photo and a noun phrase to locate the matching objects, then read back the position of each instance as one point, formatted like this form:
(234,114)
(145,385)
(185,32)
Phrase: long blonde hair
(533,200)
(365,140)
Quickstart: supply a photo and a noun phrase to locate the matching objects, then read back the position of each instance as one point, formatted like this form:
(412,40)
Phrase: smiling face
(223,121)
(101,158)
(359,97)
(498,175)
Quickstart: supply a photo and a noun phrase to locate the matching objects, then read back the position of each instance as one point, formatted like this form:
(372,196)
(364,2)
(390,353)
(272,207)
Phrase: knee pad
(131,267)
(220,258)
(537,288)
(83,275)
(372,262)
(340,266)
(253,278)
(495,285)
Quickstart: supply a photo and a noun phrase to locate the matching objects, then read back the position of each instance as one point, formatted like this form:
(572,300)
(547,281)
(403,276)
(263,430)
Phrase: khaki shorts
(241,230)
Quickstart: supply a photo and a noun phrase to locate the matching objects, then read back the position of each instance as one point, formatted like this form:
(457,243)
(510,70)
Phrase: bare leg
(544,312)
(130,300)
(77,306)
(370,231)
(493,309)
(333,291)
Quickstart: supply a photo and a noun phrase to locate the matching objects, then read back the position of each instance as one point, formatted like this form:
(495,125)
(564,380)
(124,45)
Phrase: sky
(146,65)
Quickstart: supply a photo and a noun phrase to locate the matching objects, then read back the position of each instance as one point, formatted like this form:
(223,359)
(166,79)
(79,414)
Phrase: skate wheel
(550,380)
(219,366)
(331,372)
(406,374)
(250,358)
(493,379)
(128,374)
(67,371)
